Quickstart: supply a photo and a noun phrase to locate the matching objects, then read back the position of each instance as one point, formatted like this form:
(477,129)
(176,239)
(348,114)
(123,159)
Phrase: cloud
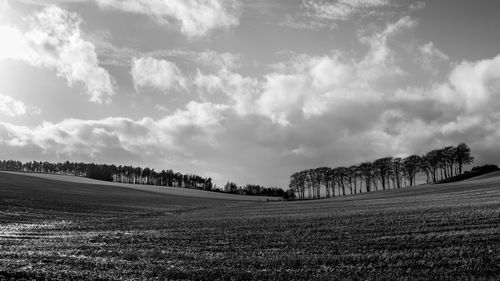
(310,86)
(341,10)
(332,110)
(431,57)
(14,46)
(54,41)
(312,112)
(232,88)
(379,51)
(160,74)
(472,88)
(419,5)
(15,108)
(282,97)
(463,108)
(4,5)
(218,60)
(112,138)
(329,13)
(195,17)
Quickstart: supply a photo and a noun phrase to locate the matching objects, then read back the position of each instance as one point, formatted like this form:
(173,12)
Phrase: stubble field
(60,230)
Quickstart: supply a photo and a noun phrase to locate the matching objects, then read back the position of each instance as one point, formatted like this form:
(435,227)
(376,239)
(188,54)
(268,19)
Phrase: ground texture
(60,230)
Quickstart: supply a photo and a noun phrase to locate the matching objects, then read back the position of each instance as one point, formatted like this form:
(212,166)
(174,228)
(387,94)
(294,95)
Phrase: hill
(124,189)
(485,176)
(62,230)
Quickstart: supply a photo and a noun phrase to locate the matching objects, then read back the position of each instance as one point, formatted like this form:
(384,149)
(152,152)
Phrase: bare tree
(382,167)
(395,171)
(366,170)
(463,156)
(411,166)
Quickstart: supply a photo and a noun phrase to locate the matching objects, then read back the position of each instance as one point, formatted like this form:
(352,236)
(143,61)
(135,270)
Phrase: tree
(294,184)
(463,156)
(330,182)
(342,177)
(382,167)
(437,164)
(353,177)
(231,187)
(411,166)
(146,173)
(324,176)
(395,171)
(208,184)
(289,195)
(366,170)
(449,154)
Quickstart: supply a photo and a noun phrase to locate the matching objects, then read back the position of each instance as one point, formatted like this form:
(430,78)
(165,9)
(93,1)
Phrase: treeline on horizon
(104,172)
(133,175)
(384,173)
(253,189)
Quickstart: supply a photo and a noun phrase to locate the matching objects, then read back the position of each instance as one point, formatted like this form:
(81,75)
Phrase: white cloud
(429,49)
(205,117)
(283,95)
(311,86)
(341,9)
(195,17)
(218,60)
(161,74)
(379,61)
(4,5)
(54,42)
(236,90)
(430,57)
(473,87)
(329,13)
(417,6)
(464,108)
(330,71)
(14,108)
(185,130)
(13,45)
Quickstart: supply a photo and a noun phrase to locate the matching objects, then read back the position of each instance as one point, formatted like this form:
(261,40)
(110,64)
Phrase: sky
(248,91)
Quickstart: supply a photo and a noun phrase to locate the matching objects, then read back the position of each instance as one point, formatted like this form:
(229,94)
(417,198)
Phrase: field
(55,229)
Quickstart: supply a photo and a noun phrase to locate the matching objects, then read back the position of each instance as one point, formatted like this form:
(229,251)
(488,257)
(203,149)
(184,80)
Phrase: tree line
(122,174)
(384,173)
(253,189)
(135,175)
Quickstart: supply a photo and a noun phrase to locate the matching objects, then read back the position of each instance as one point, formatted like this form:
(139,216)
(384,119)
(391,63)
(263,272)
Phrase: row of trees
(253,189)
(135,175)
(381,174)
(123,174)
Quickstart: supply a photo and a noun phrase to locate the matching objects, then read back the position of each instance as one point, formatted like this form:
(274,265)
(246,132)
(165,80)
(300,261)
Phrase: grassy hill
(54,229)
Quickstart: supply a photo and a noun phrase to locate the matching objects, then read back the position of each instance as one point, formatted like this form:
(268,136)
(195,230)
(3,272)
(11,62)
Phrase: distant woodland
(439,165)
(134,175)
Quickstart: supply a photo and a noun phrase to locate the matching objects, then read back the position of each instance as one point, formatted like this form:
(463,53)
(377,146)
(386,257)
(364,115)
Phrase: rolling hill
(56,229)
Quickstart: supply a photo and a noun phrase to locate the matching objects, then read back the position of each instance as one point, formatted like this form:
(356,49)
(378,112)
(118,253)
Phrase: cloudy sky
(247,90)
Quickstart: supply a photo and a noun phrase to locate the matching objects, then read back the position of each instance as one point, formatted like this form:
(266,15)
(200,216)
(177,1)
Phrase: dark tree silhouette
(437,165)
(382,167)
(463,156)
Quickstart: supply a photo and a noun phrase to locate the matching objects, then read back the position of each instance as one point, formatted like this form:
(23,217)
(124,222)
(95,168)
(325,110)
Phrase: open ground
(58,229)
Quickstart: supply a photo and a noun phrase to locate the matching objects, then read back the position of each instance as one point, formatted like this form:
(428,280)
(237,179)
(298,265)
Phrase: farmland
(55,229)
